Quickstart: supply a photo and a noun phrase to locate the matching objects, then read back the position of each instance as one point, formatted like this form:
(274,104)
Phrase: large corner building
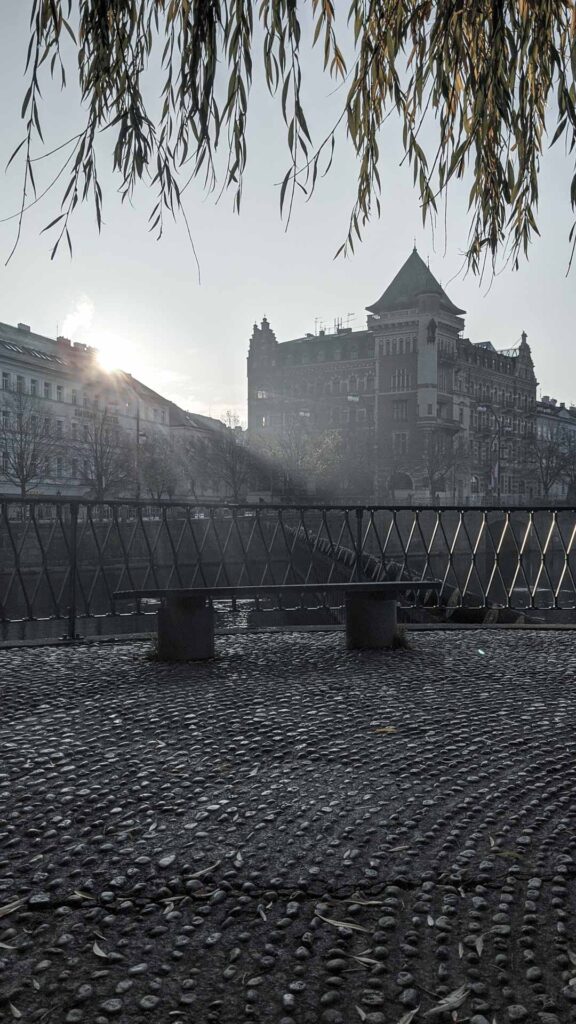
(432,414)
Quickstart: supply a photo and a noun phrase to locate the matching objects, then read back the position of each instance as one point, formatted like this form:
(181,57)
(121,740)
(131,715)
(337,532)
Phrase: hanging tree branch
(486,80)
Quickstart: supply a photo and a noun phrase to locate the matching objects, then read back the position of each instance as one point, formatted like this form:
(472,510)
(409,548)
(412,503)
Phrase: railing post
(73,571)
(359,571)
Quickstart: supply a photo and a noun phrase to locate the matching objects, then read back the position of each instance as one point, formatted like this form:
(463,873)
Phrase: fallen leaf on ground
(365,903)
(99,951)
(9,908)
(343,924)
(15,1011)
(450,1002)
(387,728)
(205,871)
(408,1017)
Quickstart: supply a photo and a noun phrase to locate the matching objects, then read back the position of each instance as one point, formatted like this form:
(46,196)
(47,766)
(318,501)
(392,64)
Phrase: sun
(108,361)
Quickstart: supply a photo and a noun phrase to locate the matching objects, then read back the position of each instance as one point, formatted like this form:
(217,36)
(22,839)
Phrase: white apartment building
(66,384)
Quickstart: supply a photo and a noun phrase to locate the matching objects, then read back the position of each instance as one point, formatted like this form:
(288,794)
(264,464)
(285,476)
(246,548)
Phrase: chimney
(63,341)
(24,327)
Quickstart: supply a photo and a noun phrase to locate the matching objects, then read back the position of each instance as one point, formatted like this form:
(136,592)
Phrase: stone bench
(186,617)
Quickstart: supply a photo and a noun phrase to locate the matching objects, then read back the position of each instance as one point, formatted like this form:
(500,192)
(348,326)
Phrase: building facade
(555,449)
(55,396)
(437,417)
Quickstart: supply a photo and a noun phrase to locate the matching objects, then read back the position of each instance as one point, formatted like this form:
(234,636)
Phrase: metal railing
(61,561)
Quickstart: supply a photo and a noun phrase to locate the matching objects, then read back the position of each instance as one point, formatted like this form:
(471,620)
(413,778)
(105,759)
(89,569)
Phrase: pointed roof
(412,280)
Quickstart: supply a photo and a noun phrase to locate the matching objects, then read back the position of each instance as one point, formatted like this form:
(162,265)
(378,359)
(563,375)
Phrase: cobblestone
(290,833)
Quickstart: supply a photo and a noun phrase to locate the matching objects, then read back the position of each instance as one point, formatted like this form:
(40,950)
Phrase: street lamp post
(499,427)
(138,436)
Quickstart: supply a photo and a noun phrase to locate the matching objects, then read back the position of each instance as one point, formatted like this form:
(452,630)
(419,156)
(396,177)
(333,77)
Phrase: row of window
(56,392)
(400,410)
(505,365)
(508,485)
(57,468)
(499,397)
(36,388)
(336,417)
(313,354)
(556,433)
(398,346)
(511,424)
(55,428)
(351,386)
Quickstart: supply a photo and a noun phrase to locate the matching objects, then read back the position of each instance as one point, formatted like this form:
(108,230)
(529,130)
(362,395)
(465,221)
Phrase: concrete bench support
(185,629)
(370,620)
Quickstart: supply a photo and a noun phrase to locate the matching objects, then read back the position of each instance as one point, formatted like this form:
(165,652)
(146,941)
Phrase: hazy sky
(139,300)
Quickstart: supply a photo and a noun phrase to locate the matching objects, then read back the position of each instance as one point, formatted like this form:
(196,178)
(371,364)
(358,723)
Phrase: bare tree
(442,455)
(547,458)
(400,477)
(355,467)
(106,456)
(159,467)
(224,458)
(26,440)
(569,468)
(303,460)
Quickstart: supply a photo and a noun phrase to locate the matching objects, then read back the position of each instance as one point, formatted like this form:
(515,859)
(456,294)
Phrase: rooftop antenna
(414,250)
(349,317)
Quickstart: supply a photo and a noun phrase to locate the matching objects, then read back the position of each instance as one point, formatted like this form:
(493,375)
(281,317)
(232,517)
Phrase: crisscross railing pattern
(62,561)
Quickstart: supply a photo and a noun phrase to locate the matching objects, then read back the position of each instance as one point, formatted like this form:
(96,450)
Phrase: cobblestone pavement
(290,833)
